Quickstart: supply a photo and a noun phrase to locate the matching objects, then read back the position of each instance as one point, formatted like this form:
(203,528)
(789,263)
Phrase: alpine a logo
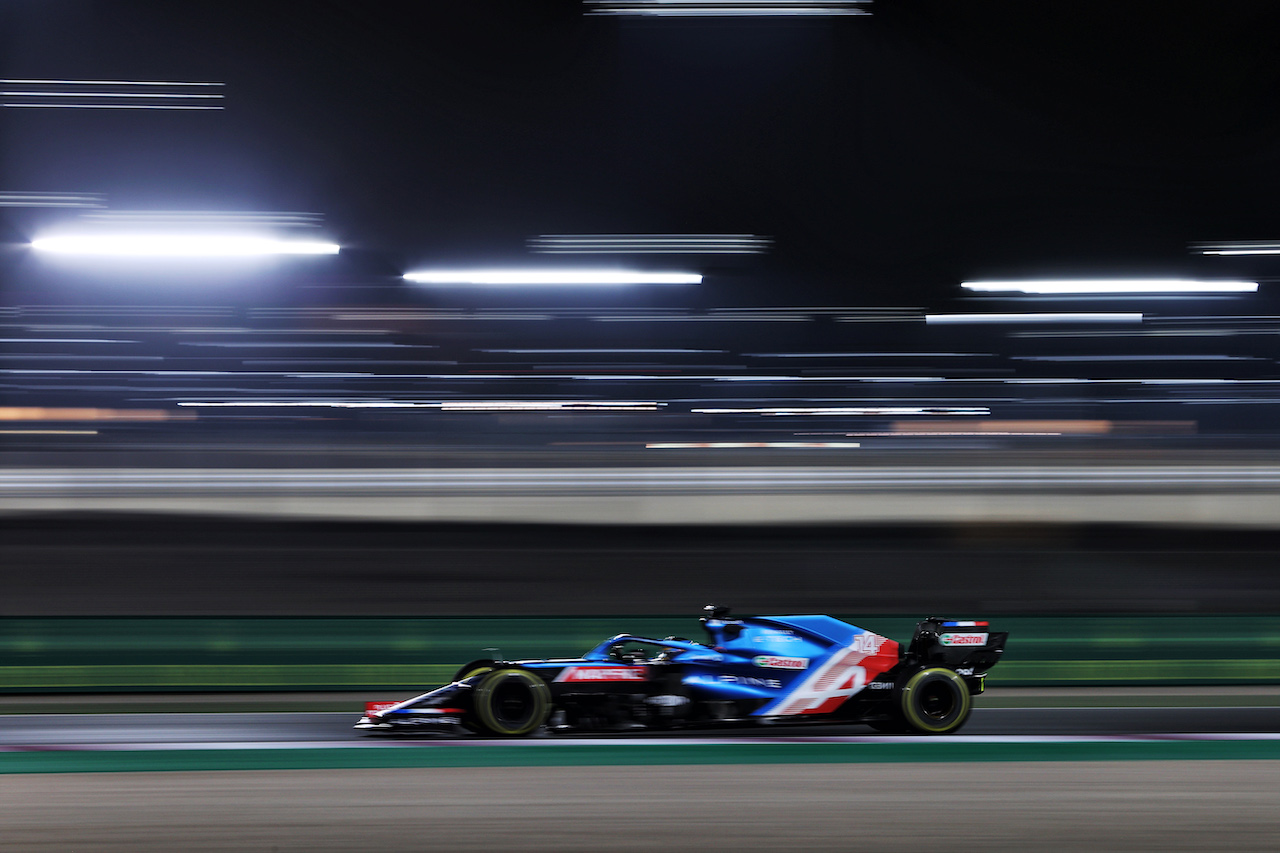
(776,662)
(604,673)
(963,639)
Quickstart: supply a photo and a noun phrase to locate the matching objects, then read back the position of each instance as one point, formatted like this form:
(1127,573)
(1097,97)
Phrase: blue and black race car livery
(766,669)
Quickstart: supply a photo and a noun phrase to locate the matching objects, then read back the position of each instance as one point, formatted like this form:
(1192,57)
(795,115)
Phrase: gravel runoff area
(1007,806)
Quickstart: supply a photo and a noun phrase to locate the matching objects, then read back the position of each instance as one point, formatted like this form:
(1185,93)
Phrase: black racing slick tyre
(511,703)
(476,667)
(935,701)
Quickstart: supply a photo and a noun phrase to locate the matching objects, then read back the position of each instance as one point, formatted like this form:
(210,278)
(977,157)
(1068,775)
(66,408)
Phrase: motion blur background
(218,471)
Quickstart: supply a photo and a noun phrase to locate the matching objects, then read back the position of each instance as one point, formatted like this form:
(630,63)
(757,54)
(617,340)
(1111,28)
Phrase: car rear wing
(967,646)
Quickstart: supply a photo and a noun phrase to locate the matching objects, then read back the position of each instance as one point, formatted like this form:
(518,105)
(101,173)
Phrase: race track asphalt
(1016,779)
(60,729)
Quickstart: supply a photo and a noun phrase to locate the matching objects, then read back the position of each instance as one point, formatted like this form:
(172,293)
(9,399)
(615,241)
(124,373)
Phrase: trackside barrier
(40,655)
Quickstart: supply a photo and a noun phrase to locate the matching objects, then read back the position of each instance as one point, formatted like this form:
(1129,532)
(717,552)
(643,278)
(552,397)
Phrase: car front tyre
(511,703)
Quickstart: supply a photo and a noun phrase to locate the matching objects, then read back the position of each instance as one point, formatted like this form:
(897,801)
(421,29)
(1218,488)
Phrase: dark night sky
(890,156)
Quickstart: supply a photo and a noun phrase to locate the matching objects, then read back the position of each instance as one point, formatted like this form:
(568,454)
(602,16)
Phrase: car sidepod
(798,667)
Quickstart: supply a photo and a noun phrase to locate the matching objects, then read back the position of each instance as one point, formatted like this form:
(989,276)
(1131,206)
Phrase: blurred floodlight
(601,278)
(446,406)
(848,411)
(113,106)
(1085,317)
(156,83)
(733,8)
(1104,286)
(1238,247)
(19,199)
(113,94)
(180,245)
(650,244)
(749,445)
(245,220)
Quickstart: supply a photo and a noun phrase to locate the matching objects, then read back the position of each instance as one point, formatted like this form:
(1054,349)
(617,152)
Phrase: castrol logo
(775,662)
(603,673)
(963,639)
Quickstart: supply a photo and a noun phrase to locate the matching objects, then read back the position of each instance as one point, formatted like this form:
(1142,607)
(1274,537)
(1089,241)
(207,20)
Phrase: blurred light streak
(1131,381)
(907,379)
(1104,286)
(19,94)
(742,445)
(636,244)
(549,277)
(369,362)
(840,315)
(757,317)
(40,356)
(1238,247)
(599,351)
(1009,427)
(1112,358)
(1127,333)
(548,406)
(476,375)
(729,8)
(849,410)
(48,432)
(137,97)
(447,406)
(440,315)
(973,433)
(36,413)
(1095,317)
(17,199)
(114,106)
(219,218)
(29,82)
(179,245)
(868,354)
(879,315)
(305,344)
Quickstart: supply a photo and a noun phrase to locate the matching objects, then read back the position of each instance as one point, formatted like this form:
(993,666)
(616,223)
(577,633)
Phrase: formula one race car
(767,669)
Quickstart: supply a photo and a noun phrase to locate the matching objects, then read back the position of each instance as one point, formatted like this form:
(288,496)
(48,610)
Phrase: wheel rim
(512,703)
(937,700)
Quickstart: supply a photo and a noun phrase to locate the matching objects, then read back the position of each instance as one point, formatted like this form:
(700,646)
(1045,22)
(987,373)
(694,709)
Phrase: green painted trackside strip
(398,655)
(569,755)
(107,677)
(1012,673)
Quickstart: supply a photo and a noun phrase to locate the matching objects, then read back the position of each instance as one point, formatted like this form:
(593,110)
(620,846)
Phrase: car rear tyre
(935,701)
(511,703)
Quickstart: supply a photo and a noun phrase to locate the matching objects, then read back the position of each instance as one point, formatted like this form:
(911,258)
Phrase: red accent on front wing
(377,707)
